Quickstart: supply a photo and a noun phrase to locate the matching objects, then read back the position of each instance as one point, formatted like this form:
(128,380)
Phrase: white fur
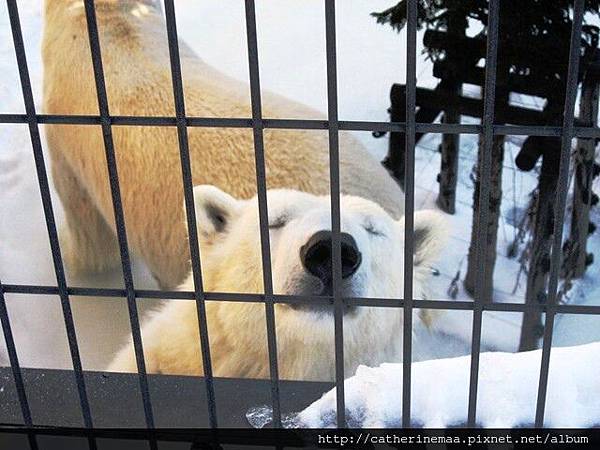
(231,262)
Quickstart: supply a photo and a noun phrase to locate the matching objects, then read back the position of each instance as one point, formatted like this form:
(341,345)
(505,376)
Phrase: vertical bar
(118,207)
(186,170)
(487,122)
(334,185)
(409,209)
(16,369)
(261,181)
(42,175)
(14,360)
(561,201)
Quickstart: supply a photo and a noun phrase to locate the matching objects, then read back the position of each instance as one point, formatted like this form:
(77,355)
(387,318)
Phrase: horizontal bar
(161,121)
(293,299)
(448,128)
(300,124)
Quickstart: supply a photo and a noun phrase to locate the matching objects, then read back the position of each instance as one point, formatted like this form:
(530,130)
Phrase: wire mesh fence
(487,130)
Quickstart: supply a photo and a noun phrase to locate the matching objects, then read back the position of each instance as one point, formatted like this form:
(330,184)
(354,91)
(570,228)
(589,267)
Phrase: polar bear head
(372,251)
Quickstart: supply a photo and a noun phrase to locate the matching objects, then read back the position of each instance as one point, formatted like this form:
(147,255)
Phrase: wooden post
(576,257)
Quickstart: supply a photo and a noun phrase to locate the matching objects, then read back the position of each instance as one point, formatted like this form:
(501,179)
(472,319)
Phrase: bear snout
(317,255)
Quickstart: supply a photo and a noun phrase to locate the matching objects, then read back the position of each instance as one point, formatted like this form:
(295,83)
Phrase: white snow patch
(507,392)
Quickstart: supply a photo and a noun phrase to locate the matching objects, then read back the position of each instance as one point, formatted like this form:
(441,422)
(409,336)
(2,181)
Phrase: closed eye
(370,228)
(279,222)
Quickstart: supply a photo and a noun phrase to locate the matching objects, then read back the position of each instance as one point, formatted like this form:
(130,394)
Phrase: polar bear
(135,57)
(372,244)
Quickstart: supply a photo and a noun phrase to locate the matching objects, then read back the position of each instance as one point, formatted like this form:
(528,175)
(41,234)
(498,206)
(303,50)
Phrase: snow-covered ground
(292,59)
(507,393)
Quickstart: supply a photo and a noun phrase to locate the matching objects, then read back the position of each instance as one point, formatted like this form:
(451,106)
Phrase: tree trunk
(486,234)
(448,176)
(451,142)
(576,255)
(539,264)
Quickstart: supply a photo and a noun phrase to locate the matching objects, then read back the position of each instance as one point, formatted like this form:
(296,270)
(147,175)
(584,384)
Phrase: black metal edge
(561,202)
(96,55)
(334,186)
(186,172)
(261,182)
(409,206)
(489,95)
(42,175)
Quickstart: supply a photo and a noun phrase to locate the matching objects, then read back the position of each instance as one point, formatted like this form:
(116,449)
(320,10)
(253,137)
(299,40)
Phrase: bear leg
(88,243)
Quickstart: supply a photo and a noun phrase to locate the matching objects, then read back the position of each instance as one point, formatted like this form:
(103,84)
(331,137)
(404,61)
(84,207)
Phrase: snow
(506,398)
(260,416)
(292,60)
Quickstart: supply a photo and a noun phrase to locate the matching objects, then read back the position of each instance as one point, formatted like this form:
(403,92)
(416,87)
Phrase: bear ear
(215,210)
(430,235)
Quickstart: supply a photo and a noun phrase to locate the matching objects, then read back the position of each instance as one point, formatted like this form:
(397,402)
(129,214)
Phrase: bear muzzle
(317,256)
(317,259)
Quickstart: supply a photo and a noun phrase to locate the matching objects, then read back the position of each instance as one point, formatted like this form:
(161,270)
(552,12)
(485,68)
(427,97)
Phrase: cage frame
(333,125)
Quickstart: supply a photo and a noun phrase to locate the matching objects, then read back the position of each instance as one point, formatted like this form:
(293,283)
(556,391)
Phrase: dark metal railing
(561,204)
(485,174)
(409,205)
(186,172)
(42,175)
(261,181)
(487,130)
(113,176)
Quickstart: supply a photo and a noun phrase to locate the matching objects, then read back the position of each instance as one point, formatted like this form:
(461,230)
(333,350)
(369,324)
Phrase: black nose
(316,255)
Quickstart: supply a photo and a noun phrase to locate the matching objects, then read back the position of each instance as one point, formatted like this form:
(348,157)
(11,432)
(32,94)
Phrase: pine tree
(533,55)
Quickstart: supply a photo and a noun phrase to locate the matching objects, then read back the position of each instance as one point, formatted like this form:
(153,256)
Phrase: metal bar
(447,128)
(568,131)
(118,207)
(42,175)
(353,125)
(291,124)
(485,164)
(561,201)
(522,130)
(334,185)
(586,132)
(186,171)
(263,213)
(301,124)
(16,370)
(409,208)
(14,360)
(440,304)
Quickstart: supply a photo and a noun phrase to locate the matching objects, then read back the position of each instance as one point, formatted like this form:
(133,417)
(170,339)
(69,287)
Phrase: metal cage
(487,130)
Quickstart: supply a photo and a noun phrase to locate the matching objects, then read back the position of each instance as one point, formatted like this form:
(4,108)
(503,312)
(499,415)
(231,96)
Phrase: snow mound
(507,392)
